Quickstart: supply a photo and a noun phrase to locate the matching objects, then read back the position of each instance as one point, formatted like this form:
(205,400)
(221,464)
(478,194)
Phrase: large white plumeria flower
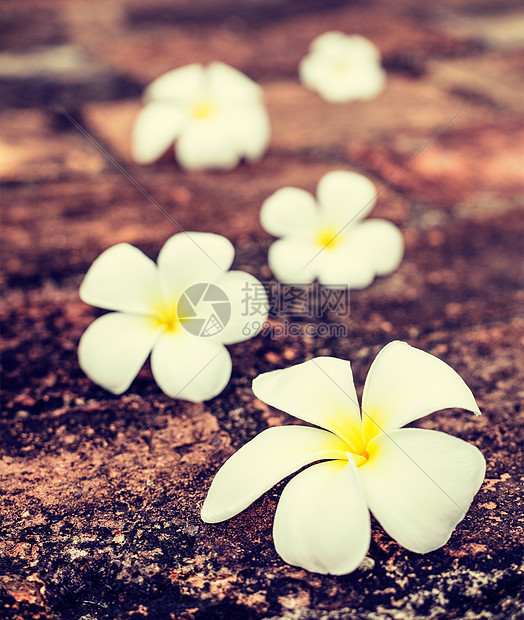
(182,310)
(328,240)
(215,114)
(342,67)
(418,483)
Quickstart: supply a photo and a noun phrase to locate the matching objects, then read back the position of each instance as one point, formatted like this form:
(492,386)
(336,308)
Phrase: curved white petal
(311,70)
(357,46)
(344,267)
(249,306)
(328,42)
(404,384)
(337,43)
(333,90)
(345,197)
(419,484)
(380,244)
(374,247)
(365,83)
(250,130)
(320,391)
(262,462)
(183,85)
(288,211)
(208,144)
(192,257)
(114,348)
(189,367)
(293,261)
(156,128)
(122,278)
(322,522)
(231,85)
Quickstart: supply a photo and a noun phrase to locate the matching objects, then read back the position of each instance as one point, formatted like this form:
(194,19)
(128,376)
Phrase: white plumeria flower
(328,240)
(343,67)
(418,483)
(215,114)
(182,310)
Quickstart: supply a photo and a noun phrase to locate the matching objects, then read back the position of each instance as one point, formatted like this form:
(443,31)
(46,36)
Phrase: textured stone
(22,28)
(496,78)
(62,75)
(471,167)
(30,151)
(251,39)
(504,31)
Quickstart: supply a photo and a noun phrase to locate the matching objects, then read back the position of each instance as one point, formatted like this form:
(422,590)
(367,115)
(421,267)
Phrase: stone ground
(101,494)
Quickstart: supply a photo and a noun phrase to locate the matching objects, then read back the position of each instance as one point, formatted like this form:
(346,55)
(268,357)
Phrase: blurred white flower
(417,483)
(215,114)
(343,67)
(327,240)
(181,310)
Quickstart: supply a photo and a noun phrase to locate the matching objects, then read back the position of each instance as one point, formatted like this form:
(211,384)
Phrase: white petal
(316,73)
(114,348)
(320,391)
(249,306)
(230,85)
(193,257)
(328,42)
(370,248)
(366,82)
(183,85)
(189,367)
(311,72)
(380,244)
(155,129)
(250,130)
(122,278)
(261,463)
(337,43)
(358,47)
(404,384)
(288,211)
(208,144)
(419,484)
(344,267)
(293,261)
(345,197)
(322,522)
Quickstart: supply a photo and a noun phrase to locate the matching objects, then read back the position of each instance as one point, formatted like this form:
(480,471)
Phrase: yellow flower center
(166,317)
(328,238)
(361,457)
(349,430)
(203,109)
(365,454)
